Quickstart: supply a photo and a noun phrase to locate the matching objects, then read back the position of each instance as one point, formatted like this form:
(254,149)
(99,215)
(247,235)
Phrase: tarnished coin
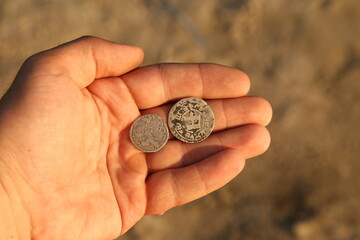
(191,120)
(149,133)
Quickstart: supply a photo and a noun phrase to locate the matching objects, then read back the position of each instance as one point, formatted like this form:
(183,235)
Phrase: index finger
(154,85)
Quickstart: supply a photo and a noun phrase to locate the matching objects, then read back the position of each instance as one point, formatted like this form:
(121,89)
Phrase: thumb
(83,60)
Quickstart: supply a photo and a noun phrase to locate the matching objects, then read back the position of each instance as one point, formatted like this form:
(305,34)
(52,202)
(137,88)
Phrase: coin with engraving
(191,120)
(149,133)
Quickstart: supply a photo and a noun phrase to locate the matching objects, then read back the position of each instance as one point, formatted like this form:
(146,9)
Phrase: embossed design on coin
(149,133)
(191,120)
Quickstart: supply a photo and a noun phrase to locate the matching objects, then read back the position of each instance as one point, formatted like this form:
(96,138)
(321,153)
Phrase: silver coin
(191,120)
(149,133)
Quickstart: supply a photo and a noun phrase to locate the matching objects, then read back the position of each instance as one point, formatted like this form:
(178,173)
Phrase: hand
(68,169)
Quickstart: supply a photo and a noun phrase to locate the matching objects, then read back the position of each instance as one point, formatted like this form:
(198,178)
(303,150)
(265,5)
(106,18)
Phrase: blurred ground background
(303,56)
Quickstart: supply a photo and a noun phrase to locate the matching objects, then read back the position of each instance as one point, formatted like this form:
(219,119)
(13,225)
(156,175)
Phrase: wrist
(14,220)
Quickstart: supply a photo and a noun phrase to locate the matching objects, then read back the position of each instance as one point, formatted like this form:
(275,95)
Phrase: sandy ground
(303,56)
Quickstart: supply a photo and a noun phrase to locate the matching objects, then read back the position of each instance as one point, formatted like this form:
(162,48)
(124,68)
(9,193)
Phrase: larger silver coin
(191,120)
(149,133)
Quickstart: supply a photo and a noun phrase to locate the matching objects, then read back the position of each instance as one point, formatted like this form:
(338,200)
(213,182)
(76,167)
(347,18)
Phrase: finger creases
(158,84)
(170,188)
(85,59)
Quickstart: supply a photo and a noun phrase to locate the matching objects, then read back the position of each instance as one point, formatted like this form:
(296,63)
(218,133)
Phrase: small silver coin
(149,133)
(191,120)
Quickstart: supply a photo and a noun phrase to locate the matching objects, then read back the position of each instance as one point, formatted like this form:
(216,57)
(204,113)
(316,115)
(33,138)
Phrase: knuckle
(33,61)
(87,38)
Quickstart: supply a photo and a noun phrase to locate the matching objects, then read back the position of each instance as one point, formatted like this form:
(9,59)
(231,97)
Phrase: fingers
(185,172)
(170,188)
(250,140)
(229,113)
(154,85)
(84,60)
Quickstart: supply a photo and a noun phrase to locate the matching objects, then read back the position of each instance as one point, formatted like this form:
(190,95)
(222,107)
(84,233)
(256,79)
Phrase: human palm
(66,122)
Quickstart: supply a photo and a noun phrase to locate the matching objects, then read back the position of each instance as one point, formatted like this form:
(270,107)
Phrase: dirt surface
(303,56)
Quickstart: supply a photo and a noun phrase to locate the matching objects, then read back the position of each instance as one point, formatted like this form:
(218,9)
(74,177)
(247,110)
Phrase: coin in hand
(191,120)
(149,133)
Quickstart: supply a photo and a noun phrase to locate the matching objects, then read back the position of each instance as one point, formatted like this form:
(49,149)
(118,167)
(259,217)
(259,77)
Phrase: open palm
(65,126)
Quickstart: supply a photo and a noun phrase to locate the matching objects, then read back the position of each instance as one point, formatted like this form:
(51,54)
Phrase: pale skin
(68,169)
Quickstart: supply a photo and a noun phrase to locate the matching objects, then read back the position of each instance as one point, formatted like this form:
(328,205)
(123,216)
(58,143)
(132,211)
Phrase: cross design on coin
(191,120)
